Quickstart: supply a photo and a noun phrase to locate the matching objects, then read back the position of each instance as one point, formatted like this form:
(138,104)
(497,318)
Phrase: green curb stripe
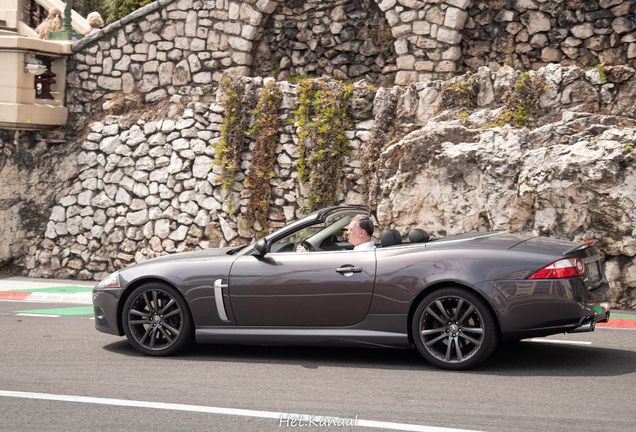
(633,317)
(85,310)
(56,290)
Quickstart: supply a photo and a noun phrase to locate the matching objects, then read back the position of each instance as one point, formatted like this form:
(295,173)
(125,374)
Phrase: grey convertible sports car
(452,298)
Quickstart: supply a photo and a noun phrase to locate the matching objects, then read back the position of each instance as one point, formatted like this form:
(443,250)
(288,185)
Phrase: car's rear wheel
(156,320)
(453,328)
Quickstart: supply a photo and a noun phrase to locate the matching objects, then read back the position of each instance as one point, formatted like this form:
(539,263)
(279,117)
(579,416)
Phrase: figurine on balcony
(95,22)
(52,23)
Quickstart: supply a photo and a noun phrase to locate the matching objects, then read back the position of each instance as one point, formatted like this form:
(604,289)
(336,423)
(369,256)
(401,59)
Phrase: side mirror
(261,247)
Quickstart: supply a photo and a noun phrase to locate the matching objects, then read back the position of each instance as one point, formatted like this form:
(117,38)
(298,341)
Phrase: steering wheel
(307,246)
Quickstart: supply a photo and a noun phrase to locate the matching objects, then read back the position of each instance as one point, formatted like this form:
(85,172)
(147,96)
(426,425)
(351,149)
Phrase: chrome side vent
(218,298)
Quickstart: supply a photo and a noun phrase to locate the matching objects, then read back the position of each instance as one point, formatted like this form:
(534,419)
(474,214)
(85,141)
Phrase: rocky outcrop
(34,169)
(573,179)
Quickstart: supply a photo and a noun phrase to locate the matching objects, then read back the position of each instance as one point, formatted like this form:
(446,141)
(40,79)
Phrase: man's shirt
(365,246)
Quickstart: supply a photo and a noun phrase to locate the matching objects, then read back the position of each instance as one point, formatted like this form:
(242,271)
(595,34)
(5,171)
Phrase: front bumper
(105,304)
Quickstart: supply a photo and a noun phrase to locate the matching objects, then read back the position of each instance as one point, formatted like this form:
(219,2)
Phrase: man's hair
(365,223)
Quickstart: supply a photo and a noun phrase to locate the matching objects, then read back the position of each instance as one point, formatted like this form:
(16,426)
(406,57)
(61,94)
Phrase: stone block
(401,46)
(249,15)
(426,66)
(242,58)
(266,6)
(404,77)
(249,32)
(421,27)
(232,28)
(202,78)
(412,4)
(191,24)
(108,83)
(401,30)
(426,43)
(453,53)
(462,4)
(448,36)
(455,18)
(197,45)
(385,5)
(583,31)
(535,21)
(445,66)
(240,43)
(181,74)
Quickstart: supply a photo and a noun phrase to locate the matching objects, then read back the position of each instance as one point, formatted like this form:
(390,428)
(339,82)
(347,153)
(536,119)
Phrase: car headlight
(110,281)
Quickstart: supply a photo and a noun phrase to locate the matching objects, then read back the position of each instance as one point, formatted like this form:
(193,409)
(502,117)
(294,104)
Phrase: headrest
(390,237)
(418,235)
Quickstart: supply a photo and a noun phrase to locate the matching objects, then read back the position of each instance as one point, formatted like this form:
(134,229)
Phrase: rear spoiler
(580,247)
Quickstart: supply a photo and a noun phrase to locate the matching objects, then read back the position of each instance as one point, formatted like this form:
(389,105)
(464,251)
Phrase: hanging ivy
(228,150)
(263,156)
(322,119)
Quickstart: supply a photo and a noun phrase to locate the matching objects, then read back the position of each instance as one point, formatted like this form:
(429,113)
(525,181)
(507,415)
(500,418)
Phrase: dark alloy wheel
(156,320)
(453,328)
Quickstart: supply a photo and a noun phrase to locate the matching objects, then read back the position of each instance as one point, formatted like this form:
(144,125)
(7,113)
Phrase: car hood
(193,255)
(200,255)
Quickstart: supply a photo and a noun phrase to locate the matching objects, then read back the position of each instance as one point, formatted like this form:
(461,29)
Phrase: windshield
(307,234)
(320,235)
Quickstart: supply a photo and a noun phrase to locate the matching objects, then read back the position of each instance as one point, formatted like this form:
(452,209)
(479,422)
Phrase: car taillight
(564,268)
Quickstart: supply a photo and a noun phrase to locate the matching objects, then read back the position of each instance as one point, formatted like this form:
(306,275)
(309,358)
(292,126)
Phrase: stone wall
(184,46)
(146,185)
(343,39)
(531,33)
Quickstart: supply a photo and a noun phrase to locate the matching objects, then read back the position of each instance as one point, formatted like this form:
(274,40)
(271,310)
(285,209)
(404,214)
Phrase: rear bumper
(538,308)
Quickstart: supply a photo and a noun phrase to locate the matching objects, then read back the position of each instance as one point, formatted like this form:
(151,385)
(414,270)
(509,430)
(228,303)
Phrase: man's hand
(300,248)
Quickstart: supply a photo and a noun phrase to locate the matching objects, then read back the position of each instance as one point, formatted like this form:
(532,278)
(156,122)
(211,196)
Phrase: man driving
(359,232)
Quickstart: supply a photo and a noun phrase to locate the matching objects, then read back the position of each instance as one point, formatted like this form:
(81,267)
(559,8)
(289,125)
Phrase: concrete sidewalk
(17,288)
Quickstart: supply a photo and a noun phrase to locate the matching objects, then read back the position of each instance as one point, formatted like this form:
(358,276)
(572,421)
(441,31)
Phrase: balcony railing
(32,97)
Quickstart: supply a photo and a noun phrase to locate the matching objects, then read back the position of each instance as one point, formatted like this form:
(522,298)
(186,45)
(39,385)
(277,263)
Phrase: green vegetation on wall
(228,150)
(322,119)
(117,9)
(521,103)
(263,156)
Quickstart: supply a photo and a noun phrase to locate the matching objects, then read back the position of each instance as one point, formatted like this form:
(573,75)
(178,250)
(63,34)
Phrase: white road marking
(279,416)
(561,341)
(38,315)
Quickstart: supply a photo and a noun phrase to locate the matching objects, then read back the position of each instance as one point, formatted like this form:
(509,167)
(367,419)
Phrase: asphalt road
(527,386)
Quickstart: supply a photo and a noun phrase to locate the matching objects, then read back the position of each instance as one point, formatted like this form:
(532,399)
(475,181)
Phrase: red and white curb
(81,298)
(624,323)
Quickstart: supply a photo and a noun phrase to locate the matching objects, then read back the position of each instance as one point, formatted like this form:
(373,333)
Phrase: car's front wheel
(156,320)
(453,328)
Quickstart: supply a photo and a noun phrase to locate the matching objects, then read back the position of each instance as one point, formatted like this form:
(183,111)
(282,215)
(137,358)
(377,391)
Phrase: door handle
(343,270)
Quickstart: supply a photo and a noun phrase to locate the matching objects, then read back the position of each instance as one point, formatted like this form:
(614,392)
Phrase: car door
(332,288)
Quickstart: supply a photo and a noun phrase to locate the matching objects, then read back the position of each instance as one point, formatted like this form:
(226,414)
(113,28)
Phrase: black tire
(453,328)
(157,321)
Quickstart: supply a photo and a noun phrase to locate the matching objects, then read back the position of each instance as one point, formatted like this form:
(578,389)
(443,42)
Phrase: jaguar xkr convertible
(453,298)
